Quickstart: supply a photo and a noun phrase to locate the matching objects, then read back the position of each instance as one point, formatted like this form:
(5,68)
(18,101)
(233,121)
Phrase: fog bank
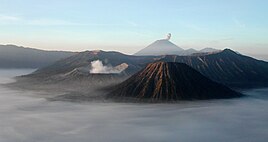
(26,117)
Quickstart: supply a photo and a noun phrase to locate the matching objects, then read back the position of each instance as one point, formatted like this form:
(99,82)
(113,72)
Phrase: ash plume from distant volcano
(168,36)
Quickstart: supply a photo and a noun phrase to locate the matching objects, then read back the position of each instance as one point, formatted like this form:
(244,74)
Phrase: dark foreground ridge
(170,81)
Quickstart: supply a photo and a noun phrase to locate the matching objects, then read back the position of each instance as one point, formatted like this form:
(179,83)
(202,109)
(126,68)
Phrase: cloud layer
(25,116)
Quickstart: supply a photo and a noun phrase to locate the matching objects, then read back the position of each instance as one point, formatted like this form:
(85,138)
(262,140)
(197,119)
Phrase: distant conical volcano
(168,81)
(160,47)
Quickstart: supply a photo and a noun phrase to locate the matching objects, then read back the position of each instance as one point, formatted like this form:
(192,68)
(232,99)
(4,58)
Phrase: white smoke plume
(97,67)
(169,36)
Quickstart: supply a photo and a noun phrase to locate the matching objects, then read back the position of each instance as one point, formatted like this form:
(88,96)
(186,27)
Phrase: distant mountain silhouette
(166,47)
(209,50)
(160,47)
(12,56)
(263,56)
(169,81)
(188,52)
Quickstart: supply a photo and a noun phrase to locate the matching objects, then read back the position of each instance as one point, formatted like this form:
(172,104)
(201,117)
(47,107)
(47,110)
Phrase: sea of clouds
(25,116)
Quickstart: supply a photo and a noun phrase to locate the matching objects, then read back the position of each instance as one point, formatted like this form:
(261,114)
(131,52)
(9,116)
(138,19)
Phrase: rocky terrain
(227,67)
(169,81)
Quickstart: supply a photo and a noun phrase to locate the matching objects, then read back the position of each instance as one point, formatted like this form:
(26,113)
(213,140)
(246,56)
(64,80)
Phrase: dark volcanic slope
(168,81)
(227,67)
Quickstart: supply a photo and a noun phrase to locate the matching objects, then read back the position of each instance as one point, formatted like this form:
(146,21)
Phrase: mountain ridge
(227,66)
(12,56)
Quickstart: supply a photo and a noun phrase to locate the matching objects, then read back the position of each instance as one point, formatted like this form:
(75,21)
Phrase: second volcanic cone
(170,81)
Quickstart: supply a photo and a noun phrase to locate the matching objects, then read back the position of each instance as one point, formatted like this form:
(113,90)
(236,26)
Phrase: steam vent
(168,81)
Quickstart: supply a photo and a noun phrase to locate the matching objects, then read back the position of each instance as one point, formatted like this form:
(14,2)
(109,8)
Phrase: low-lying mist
(26,116)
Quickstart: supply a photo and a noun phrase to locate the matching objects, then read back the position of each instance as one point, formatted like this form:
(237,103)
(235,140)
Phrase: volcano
(160,47)
(225,67)
(170,81)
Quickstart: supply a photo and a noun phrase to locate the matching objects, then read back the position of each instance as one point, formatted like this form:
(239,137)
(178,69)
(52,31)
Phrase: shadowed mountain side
(12,56)
(227,67)
(84,59)
(166,81)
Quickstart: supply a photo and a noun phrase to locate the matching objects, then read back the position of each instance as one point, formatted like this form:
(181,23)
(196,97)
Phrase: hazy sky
(128,26)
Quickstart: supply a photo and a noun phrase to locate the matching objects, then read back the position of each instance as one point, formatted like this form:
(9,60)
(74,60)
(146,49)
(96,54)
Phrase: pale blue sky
(128,26)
